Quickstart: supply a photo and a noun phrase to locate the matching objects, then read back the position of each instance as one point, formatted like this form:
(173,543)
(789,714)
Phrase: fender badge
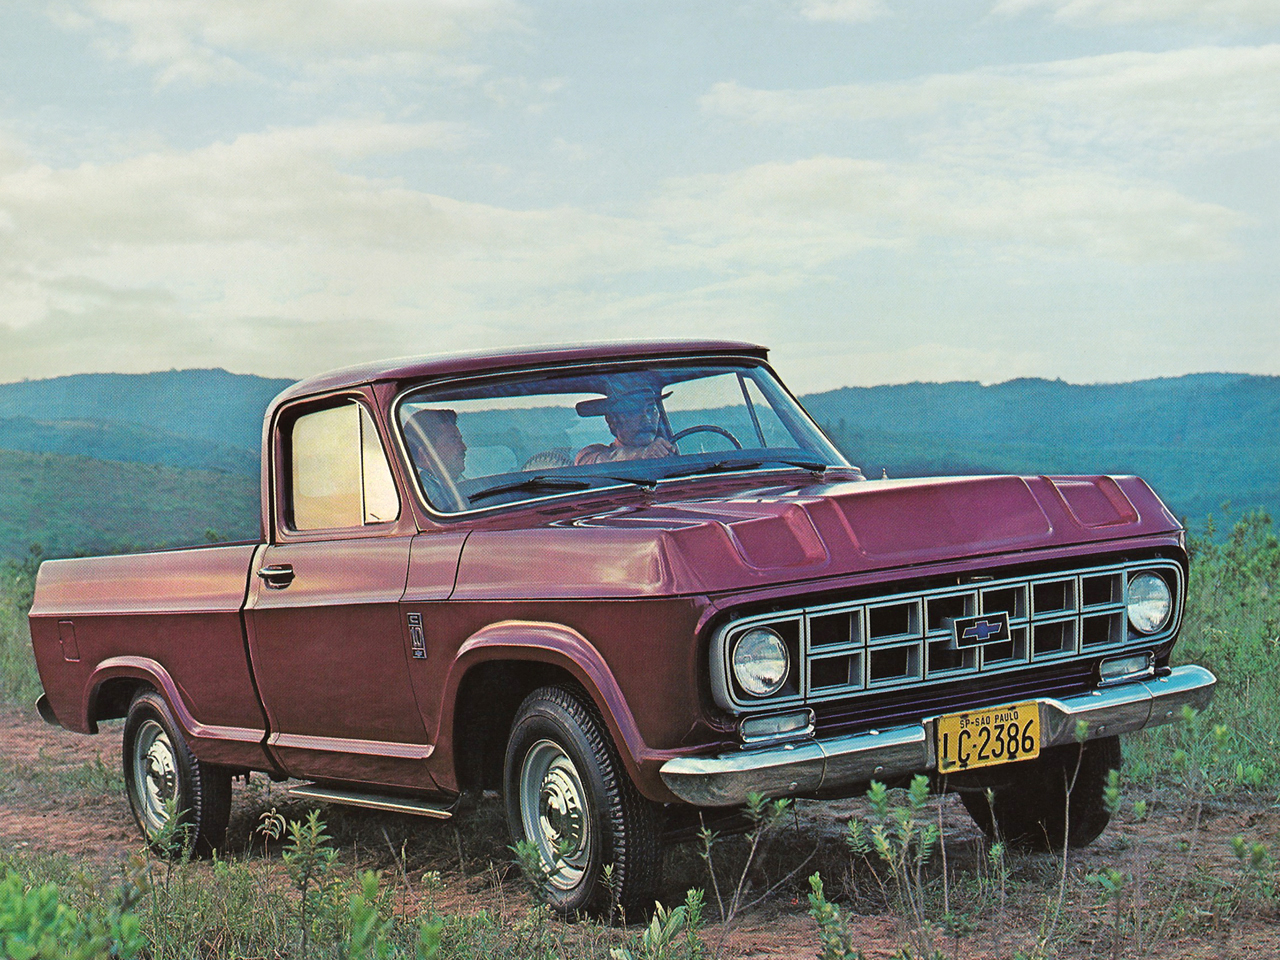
(417,639)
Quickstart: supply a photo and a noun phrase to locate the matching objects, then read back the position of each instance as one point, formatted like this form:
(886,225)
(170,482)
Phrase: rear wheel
(1054,799)
(568,794)
(163,778)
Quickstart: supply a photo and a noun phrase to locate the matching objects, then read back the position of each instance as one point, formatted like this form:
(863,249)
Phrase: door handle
(278,576)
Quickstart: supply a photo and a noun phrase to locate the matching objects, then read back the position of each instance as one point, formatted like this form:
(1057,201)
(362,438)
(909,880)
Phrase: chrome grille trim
(856,648)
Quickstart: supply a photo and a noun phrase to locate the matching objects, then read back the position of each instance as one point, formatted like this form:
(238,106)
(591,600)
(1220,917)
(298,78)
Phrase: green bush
(35,924)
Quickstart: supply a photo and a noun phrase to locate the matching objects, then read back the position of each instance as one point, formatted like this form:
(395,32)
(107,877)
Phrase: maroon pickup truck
(621,583)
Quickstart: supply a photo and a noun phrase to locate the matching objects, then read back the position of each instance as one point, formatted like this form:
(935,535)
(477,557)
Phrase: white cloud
(283,184)
(207,40)
(1221,13)
(275,245)
(273,228)
(512,91)
(1061,160)
(237,240)
(842,11)
(1181,104)
(813,212)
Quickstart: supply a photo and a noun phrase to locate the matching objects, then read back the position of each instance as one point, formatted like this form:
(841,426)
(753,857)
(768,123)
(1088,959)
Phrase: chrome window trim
(723,688)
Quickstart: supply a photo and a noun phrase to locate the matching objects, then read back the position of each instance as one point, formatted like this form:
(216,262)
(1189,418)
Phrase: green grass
(1232,627)
(19,682)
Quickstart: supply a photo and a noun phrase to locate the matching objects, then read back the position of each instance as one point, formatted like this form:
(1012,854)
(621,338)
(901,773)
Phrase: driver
(634,421)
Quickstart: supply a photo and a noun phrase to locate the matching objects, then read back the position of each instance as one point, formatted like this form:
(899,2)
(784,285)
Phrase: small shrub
(35,924)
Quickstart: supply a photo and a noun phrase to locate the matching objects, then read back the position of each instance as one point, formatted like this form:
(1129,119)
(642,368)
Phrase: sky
(881,191)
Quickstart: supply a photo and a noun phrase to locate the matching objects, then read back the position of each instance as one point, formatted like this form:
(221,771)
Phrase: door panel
(330,661)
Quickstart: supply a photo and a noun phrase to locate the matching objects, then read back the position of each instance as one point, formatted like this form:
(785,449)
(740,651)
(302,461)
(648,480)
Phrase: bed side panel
(180,610)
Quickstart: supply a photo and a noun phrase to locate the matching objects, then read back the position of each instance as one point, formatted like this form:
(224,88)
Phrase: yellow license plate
(983,738)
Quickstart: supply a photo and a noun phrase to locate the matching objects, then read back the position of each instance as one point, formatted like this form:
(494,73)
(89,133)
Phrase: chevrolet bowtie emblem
(975,631)
(982,631)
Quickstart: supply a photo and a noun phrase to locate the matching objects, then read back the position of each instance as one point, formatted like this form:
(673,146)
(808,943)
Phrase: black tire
(158,767)
(568,793)
(1029,806)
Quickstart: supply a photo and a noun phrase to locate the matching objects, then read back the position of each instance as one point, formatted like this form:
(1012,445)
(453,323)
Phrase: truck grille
(904,641)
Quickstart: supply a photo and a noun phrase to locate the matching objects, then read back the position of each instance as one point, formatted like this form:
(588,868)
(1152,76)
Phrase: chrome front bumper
(806,766)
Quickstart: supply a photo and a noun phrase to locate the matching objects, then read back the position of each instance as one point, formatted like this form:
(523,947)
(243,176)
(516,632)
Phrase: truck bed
(172,618)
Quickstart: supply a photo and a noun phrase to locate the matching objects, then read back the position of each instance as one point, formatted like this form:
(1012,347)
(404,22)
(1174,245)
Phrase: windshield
(477,444)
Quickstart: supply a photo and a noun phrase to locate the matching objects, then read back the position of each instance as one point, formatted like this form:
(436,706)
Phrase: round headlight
(761,662)
(1150,603)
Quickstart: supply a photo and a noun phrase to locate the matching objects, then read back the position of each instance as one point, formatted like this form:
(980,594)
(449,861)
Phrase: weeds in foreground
(1147,905)
(35,924)
(904,838)
(310,861)
(671,934)
(305,903)
(227,910)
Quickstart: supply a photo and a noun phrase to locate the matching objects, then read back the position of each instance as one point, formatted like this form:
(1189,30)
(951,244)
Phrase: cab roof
(517,358)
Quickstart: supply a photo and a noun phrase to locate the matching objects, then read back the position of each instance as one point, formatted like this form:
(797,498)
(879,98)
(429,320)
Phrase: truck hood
(785,533)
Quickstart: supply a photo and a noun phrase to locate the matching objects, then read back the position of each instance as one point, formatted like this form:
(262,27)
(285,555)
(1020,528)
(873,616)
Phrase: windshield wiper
(815,467)
(541,482)
(647,483)
(532,483)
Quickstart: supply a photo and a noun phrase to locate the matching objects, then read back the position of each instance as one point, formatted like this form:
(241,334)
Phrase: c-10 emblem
(417,639)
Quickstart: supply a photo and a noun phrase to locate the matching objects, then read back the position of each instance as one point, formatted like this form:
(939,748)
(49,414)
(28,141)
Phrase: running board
(372,801)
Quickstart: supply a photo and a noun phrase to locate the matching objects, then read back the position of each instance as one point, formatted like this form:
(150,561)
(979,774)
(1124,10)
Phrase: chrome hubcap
(155,775)
(554,811)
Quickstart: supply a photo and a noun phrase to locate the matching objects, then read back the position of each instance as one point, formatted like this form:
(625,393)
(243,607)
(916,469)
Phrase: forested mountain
(1200,440)
(109,461)
(105,440)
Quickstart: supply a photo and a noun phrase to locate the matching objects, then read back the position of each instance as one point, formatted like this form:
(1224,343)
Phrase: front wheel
(1054,799)
(163,778)
(568,794)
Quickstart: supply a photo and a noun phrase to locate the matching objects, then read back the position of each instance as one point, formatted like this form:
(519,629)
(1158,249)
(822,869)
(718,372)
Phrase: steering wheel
(706,428)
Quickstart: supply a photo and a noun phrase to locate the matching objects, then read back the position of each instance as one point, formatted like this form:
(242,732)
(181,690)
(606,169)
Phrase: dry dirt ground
(61,793)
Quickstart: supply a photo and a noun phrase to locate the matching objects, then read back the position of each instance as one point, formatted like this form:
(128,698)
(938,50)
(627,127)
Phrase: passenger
(439,453)
(635,423)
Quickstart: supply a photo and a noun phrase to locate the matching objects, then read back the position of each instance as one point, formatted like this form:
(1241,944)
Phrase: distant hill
(105,440)
(114,462)
(1199,440)
(190,407)
(108,461)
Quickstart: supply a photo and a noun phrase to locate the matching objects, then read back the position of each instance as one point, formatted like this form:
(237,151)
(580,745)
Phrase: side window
(339,475)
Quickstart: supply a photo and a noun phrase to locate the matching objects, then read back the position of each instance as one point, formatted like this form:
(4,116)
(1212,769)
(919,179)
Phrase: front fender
(563,647)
